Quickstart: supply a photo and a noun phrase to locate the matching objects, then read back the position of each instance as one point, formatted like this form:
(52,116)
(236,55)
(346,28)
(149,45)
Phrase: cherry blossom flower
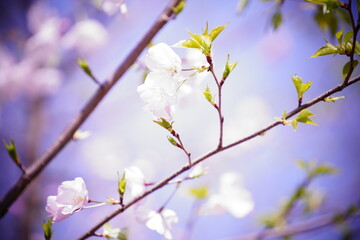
(111,7)
(160,221)
(159,90)
(232,198)
(72,197)
(135,182)
(116,233)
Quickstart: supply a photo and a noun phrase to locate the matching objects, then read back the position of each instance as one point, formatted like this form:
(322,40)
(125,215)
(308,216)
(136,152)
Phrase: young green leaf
(228,68)
(326,50)
(179,7)
(276,20)
(346,68)
(323,169)
(165,124)
(301,88)
(122,185)
(216,31)
(348,36)
(203,41)
(294,124)
(333,99)
(11,149)
(199,192)
(209,96)
(173,141)
(85,67)
(191,43)
(339,35)
(304,117)
(242,4)
(47,229)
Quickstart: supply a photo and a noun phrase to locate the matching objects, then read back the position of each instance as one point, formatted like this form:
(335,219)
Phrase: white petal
(161,57)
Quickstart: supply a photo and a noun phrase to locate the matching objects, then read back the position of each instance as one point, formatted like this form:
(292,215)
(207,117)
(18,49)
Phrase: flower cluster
(53,38)
(164,85)
(159,90)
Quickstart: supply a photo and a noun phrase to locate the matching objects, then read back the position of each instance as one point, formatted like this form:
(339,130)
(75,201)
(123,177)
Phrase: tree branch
(65,137)
(302,227)
(159,185)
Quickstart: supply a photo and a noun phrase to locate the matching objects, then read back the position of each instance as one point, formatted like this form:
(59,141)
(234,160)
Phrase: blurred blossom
(38,14)
(44,81)
(232,198)
(81,135)
(135,182)
(6,62)
(85,37)
(197,171)
(72,197)
(159,90)
(160,221)
(115,233)
(44,45)
(111,7)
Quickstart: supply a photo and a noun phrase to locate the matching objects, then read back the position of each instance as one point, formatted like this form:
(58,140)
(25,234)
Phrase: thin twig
(218,106)
(212,153)
(65,137)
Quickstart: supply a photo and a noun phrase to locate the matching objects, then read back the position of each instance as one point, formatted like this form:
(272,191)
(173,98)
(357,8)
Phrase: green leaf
(346,68)
(203,41)
(301,88)
(216,31)
(339,35)
(228,68)
(179,7)
(348,36)
(165,124)
(173,141)
(276,20)
(242,4)
(294,124)
(191,43)
(304,117)
(324,170)
(85,67)
(199,192)
(357,48)
(122,185)
(333,99)
(314,169)
(326,21)
(47,229)
(11,149)
(326,50)
(328,5)
(209,96)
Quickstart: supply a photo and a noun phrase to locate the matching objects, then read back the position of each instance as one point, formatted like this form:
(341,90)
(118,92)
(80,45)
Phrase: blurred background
(42,89)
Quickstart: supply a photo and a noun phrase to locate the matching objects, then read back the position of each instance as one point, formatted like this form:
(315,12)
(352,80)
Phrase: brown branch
(219,105)
(298,228)
(212,153)
(355,29)
(65,137)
